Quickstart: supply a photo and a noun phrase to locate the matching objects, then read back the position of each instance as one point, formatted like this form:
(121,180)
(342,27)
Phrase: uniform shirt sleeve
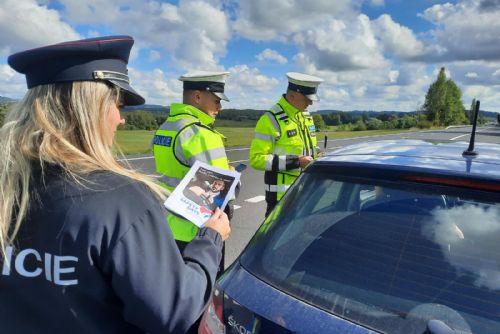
(161,291)
(262,153)
(199,143)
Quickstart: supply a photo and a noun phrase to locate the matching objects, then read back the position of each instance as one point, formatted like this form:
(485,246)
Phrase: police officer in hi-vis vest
(285,137)
(188,135)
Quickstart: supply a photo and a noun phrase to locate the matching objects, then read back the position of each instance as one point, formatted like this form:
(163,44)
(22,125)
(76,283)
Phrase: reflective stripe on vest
(170,182)
(262,136)
(209,155)
(277,188)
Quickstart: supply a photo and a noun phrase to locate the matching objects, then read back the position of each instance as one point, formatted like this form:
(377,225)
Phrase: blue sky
(372,54)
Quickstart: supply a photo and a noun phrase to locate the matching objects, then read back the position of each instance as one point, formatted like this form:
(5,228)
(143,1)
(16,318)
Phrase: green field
(139,141)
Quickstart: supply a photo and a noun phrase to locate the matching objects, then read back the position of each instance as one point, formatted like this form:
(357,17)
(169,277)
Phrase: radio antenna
(470,150)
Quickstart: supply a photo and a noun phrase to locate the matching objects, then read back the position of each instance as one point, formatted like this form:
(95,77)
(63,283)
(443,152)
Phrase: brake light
(479,185)
(212,321)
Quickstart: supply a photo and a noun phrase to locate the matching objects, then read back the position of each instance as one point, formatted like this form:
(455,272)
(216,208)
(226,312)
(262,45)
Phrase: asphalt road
(250,205)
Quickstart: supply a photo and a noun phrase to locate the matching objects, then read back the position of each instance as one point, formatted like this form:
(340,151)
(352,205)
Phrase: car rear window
(389,256)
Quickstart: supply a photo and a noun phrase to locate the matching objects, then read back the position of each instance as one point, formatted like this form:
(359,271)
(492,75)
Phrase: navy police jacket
(99,257)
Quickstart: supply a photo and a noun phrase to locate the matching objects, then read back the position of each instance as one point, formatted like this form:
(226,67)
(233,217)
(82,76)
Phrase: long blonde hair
(63,124)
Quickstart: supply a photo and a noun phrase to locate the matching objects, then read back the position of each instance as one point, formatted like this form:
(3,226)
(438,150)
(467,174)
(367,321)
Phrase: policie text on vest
(52,265)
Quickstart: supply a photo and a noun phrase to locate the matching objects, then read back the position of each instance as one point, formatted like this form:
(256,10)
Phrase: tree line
(442,107)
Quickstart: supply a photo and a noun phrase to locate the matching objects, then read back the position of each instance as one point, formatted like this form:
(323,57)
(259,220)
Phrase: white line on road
(236,207)
(459,136)
(152,157)
(256,199)
(468,134)
(139,158)
(238,149)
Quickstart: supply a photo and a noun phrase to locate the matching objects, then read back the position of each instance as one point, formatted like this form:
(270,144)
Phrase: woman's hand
(220,223)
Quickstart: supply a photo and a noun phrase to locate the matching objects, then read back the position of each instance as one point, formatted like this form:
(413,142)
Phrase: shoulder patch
(162,140)
(291,133)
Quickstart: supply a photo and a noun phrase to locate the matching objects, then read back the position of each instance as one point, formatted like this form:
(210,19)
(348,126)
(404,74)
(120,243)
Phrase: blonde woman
(85,246)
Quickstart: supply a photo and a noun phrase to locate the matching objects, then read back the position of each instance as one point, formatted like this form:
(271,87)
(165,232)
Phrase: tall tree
(443,102)
(319,122)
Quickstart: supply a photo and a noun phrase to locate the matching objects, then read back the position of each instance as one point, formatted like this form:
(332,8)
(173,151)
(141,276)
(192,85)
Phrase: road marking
(236,207)
(152,157)
(459,136)
(238,149)
(140,158)
(256,199)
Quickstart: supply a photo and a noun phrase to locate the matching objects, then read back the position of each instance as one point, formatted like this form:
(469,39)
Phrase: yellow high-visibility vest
(186,136)
(281,135)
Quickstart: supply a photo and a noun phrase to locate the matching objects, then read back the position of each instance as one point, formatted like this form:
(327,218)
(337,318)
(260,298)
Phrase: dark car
(389,237)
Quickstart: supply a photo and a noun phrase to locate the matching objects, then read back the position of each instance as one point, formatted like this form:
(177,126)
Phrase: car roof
(429,155)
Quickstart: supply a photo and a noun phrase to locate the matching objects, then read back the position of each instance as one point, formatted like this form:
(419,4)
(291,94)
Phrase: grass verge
(139,141)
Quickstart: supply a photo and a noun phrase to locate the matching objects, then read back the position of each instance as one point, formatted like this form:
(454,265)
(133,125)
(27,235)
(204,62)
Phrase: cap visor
(312,97)
(222,96)
(130,96)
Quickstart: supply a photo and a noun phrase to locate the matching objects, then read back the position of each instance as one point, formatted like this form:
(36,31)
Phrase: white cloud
(12,84)
(377,2)
(269,54)
(261,20)
(393,76)
(359,91)
(474,72)
(247,87)
(335,95)
(397,39)
(154,56)
(24,25)
(438,12)
(156,87)
(193,33)
(467,30)
(468,245)
(244,78)
(488,95)
(341,45)
(92,11)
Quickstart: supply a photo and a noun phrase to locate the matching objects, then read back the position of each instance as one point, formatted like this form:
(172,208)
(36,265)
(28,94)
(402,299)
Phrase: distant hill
(369,113)
(147,107)
(4,99)
(488,114)
(247,113)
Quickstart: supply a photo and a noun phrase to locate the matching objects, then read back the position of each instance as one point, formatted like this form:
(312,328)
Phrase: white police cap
(304,84)
(208,81)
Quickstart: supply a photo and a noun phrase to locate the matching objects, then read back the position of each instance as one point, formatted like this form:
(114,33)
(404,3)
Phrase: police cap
(93,59)
(305,84)
(207,81)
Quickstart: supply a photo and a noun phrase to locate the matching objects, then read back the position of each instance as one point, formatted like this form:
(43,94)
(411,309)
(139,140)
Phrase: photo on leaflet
(208,189)
(201,191)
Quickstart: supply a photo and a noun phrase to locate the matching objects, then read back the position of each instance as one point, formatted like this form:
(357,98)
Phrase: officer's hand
(220,223)
(304,160)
